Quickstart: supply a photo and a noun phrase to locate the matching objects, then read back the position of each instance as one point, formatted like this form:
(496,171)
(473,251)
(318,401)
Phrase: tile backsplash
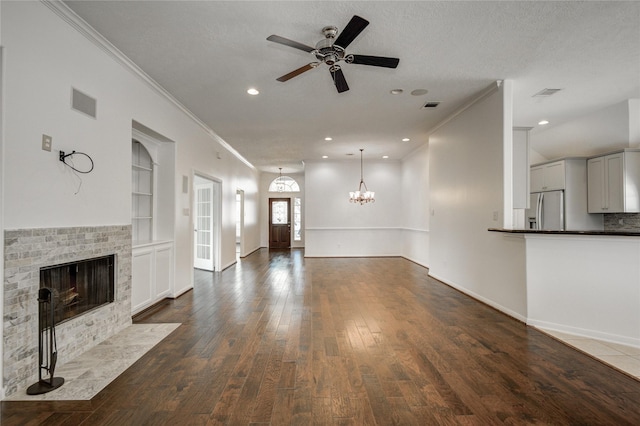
(622,222)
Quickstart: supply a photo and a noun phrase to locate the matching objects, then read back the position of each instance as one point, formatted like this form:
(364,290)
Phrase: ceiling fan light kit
(332,50)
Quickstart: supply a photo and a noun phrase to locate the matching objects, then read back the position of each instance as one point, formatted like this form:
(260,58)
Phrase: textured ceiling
(208,53)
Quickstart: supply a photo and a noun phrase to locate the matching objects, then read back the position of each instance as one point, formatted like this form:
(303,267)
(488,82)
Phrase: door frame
(216,208)
(240,215)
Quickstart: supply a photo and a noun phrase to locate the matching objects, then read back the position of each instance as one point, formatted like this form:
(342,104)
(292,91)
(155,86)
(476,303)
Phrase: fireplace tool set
(47,348)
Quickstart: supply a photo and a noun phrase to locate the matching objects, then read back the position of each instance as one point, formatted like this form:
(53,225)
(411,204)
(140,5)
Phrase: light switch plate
(47,141)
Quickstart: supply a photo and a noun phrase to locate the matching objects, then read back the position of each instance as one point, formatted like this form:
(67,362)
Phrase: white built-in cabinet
(614,182)
(548,177)
(152,217)
(152,272)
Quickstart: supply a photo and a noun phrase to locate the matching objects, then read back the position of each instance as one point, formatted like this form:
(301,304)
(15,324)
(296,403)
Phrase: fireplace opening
(80,286)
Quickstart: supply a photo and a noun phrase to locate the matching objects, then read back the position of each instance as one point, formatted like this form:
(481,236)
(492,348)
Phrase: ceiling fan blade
(351,31)
(277,39)
(339,80)
(297,72)
(376,61)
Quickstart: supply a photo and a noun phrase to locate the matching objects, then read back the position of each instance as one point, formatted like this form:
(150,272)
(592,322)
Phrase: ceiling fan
(331,50)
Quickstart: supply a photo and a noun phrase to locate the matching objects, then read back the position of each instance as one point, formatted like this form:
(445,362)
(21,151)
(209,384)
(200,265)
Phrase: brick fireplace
(26,251)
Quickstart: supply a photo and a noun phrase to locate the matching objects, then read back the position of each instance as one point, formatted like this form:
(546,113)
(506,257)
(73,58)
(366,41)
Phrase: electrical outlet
(47,141)
(495,215)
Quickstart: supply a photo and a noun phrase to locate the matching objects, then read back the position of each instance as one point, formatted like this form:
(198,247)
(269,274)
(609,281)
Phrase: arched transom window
(284,184)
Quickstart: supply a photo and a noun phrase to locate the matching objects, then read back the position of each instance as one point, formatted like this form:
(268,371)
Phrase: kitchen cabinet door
(537,178)
(596,185)
(614,179)
(612,182)
(554,176)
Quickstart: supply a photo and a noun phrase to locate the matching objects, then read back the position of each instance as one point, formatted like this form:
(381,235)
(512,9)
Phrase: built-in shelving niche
(152,186)
(152,217)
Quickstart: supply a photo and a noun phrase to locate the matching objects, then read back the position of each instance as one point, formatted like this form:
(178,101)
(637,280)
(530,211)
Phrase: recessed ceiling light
(253,91)
(405,139)
(328,139)
(325,156)
(419,92)
(385,156)
(396,91)
(543,122)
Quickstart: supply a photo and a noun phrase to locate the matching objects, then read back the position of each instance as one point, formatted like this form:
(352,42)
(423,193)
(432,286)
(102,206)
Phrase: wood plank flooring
(279,339)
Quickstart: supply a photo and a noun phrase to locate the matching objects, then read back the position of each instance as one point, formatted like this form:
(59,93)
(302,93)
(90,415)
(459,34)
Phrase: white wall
(611,128)
(336,227)
(467,197)
(45,57)
(265,181)
(415,206)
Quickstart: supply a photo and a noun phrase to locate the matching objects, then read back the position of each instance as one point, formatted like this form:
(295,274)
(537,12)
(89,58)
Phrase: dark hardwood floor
(278,339)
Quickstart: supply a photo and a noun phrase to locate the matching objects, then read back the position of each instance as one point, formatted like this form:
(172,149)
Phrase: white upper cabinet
(548,177)
(614,181)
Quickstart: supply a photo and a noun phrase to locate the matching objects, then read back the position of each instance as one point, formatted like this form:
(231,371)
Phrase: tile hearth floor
(92,371)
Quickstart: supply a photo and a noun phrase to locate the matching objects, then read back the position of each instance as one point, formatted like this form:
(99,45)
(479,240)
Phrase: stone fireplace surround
(25,252)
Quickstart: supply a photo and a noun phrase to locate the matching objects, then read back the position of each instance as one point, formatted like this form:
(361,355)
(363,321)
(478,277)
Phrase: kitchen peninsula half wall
(585,283)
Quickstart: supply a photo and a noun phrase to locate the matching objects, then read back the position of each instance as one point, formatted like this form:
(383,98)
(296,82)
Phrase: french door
(204,226)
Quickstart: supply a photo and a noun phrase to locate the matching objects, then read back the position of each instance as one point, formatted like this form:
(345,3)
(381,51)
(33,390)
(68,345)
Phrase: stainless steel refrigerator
(547,211)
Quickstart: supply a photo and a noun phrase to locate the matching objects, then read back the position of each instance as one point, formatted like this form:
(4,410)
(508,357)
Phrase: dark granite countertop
(535,231)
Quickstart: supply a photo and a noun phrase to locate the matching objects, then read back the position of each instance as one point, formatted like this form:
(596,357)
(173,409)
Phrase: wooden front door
(279,223)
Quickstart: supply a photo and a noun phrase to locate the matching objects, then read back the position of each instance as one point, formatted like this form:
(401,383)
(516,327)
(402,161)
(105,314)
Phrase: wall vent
(83,103)
(546,93)
(430,105)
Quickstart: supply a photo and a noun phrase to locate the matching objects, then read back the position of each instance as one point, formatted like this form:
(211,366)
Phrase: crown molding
(76,22)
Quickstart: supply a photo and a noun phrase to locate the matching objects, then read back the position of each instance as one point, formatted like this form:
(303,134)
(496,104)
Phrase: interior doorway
(279,223)
(206,209)
(239,222)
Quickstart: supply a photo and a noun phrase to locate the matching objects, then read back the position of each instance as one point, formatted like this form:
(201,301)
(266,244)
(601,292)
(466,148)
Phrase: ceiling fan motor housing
(328,52)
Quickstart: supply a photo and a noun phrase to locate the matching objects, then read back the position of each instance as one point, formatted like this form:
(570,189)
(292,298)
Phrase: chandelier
(361,196)
(280,182)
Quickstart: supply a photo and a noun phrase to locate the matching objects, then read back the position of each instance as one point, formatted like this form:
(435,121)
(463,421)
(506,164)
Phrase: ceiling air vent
(546,93)
(430,105)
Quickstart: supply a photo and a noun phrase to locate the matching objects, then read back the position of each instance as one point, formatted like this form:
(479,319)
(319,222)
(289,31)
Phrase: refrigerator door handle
(540,210)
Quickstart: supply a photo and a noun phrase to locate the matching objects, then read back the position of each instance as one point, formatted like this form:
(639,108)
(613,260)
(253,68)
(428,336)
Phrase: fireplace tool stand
(47,348)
